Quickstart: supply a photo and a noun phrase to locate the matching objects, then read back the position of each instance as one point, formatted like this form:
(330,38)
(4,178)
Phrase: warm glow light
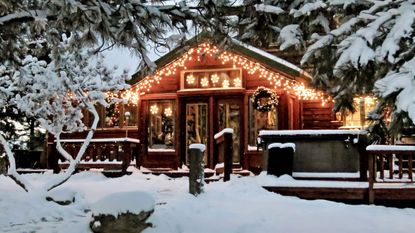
(168,112)
(190,79)
(214,78)
(225,83)
(209,51)
(237,82)
(154,109)
(204,82)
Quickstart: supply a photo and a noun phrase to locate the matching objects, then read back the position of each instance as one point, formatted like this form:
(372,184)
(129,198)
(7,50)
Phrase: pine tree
(356,47)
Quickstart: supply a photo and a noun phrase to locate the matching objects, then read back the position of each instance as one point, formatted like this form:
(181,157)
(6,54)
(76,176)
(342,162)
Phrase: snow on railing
(133,140)
(225,130)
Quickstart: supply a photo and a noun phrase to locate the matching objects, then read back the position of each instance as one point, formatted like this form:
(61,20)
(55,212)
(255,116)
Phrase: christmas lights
(190,79)
(276,79)
(168,112)
(204,82)
(225,83)
(154,109)
(237,82)
(214,78)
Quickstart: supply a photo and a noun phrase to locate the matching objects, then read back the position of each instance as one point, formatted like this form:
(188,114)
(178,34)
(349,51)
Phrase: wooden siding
(317,116)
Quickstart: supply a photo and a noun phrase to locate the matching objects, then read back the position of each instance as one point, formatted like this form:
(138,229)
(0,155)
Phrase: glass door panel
(197,126)
(230,117)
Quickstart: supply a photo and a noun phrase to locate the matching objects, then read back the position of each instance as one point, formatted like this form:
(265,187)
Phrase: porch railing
(107,153)
(389,164)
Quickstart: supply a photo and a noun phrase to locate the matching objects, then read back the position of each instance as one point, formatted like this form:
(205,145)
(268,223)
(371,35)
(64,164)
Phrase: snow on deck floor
(241,205)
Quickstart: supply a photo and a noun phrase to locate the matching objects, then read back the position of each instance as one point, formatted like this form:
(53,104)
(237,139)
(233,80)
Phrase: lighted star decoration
(237,82)
(214,78)
(276,79)
(168,112)
(204,81)
(225,83)
(190,79)
(154,109)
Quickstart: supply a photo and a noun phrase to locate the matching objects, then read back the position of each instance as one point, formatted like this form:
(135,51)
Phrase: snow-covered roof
(268,60)
(272,57)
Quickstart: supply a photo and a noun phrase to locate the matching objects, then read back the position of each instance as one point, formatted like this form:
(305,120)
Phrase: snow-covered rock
(122,212)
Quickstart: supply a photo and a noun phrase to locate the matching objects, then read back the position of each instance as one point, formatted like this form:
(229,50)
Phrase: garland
(264,93)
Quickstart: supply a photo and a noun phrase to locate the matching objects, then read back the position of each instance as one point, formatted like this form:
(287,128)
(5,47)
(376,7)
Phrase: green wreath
(262,93)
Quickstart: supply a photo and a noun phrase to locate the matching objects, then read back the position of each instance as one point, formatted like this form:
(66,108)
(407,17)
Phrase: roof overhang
(268,60)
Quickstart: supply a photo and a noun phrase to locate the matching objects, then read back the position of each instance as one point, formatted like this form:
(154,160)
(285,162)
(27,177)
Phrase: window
(130,114)
(218,78)
(161,127)
(363,106)
(259,121)
(113,116)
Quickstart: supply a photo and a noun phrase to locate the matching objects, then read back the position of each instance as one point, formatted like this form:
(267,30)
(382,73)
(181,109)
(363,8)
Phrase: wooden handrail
(119,149)
(377,153)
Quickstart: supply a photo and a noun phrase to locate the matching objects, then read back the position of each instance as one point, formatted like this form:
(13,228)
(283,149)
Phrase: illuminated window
(259,121)
(130,114)
(363,106)
(161,127)
(216,78)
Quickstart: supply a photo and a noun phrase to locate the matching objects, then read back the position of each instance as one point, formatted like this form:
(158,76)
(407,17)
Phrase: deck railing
(399,161)
(107,153)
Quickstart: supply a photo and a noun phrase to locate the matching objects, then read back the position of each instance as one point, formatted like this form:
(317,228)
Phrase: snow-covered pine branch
(373,52)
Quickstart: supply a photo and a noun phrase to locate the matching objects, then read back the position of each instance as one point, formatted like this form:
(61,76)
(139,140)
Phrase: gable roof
(268,60)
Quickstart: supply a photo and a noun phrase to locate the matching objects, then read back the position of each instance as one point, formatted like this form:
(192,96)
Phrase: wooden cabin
(198,90)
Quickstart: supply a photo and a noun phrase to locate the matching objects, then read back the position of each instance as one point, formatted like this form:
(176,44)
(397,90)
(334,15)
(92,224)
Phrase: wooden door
(195,126)
(230,115)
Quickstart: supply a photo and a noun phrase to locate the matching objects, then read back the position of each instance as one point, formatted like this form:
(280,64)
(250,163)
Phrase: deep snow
(240,205)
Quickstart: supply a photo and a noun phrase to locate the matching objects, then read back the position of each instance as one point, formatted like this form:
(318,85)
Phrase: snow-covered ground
(240,205)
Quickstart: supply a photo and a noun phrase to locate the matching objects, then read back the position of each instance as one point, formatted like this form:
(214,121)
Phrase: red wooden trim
(159,96)
(210,92)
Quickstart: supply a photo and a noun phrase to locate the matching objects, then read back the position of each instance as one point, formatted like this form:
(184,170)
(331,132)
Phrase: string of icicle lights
(275,79)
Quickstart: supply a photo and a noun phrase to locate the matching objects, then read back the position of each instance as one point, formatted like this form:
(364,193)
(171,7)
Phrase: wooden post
(125,156)
(138,156)
(363,157)
(410,167)
(400,166)
(228,152)
(390,162)
(381,167)
(196,173)
(53,159)
(372,172)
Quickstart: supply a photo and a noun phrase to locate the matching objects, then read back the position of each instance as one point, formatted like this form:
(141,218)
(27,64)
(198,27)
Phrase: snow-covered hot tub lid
(311,132)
